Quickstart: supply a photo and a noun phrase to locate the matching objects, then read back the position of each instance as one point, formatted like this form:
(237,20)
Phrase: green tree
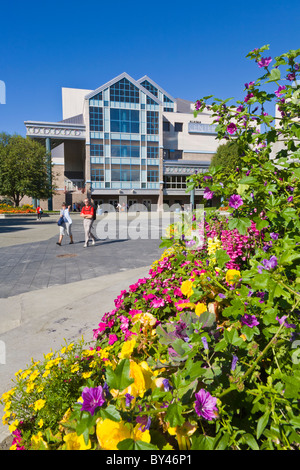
(228,156)
(24,168)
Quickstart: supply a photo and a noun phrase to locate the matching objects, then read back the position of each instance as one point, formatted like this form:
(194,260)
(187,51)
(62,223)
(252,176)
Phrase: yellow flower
(200,308)
(74,442)
(30,387)
(187,288)
(142,375)
(13,426)
(127,349)
(45,374)
(37,441)
(213,244)
(5,417)
(86,375)
(110,433)
(39,404)
(75,368)
(34,375)
(63,350)
(40,423)
(230,275)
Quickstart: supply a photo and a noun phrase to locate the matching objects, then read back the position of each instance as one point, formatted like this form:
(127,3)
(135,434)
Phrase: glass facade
(124,133)
(124,120)
(124,92)
(96,118)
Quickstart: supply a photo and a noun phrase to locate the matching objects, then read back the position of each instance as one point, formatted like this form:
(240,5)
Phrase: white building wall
(73,101)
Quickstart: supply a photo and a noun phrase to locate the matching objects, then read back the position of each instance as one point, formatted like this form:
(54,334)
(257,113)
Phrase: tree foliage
(24,168)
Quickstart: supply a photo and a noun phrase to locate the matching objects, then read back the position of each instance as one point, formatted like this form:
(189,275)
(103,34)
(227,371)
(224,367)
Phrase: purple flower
(282,320)
(128,399)
(249,320)
(167,385)
(264,62)
(204,342)
(198,104)
(208,194)
(270,263)
(291,77)
(205,405)
(274,236)
(235,201)
(290,198)
(92,398)
(247,98)
(279,91)
(248,85)
(231,128)
(260,269)
(145,422)
(233,363)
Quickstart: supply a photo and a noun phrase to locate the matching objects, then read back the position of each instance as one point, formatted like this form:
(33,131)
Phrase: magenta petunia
(249,320)
(208,194)
(92,399)
(112,339)
(235,201)
(231,128)
(264,62)
(205,405)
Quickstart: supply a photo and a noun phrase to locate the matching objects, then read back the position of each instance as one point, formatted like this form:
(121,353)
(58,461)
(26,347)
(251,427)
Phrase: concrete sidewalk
(35,322)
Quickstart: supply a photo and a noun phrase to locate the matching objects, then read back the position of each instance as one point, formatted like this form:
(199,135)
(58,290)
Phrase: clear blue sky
(191,49)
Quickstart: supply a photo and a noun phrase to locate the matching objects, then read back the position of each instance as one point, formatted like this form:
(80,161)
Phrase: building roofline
(145,77)
(115,80)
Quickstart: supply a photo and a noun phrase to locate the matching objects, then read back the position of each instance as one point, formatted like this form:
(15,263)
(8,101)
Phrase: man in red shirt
(87,213)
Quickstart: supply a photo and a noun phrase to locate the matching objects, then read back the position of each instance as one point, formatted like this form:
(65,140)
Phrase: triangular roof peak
(117,79)
(145,77)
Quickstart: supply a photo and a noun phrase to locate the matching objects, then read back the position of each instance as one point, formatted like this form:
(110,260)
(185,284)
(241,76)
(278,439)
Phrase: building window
(150,88)
(175,182)
(124,120)
(96,118)
(120,150)
(97,174)
(124,92)
(152,176)
(169,110)
(97,150)
(166,126)
(152,152)
(178,126)
(122,173)
(152,122)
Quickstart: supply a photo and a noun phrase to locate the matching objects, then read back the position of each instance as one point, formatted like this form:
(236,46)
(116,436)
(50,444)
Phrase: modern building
(128,140)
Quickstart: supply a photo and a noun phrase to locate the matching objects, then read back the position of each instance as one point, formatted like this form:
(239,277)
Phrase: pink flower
(235,201)
(264,62)
(112,339)
(250,95)
(279,91)
(205,405)
(156,303)
(231,128)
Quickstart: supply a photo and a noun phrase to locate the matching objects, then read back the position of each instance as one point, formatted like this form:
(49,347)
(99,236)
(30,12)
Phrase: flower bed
(202,353)
(25,209)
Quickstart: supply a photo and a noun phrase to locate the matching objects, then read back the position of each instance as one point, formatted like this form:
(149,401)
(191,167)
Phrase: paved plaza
(51,293)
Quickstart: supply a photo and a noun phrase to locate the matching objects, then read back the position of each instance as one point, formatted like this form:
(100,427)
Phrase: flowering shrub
(203,352)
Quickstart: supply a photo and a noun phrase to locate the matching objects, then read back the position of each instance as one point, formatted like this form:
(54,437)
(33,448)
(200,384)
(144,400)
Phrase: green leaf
(250,440)
(141,445)
(240,224)
(110,413)
(274,75)
(126,444)
(222,258)
(119,379)
(174,415)
(262,423)
(202,442)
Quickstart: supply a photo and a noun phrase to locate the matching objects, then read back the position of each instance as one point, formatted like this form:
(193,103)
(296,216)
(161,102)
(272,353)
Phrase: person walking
(39,212)
(88,214)
(66,226)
